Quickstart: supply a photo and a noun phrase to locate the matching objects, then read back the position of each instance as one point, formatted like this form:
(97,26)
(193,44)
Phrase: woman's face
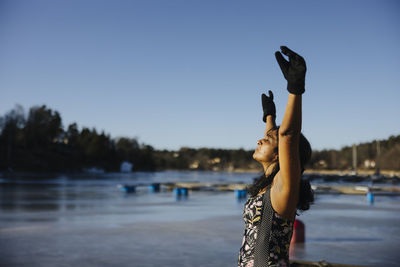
(267,148)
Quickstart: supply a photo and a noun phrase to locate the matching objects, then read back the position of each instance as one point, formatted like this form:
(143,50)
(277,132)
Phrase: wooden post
(355,159)
(378,153)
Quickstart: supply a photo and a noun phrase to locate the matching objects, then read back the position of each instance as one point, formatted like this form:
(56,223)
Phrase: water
(85,220)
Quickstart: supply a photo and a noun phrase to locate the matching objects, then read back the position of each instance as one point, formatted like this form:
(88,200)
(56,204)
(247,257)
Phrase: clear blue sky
(190,73)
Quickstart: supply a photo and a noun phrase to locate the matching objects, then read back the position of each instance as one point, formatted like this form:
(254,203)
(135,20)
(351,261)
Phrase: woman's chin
(255,156)
(260,158)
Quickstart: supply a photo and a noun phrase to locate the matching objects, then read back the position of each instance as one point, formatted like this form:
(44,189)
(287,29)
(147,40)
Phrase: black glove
(268,105)
(293,70)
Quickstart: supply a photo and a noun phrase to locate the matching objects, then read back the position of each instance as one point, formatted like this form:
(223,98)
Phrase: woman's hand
(293,70)
(268,105)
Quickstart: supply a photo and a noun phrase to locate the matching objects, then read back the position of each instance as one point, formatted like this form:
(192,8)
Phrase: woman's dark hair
(306,194)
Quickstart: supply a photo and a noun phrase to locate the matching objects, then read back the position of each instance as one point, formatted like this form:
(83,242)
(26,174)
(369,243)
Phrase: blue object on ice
(370,198)
(155,187)
(181,191)
(237,193)
(184,191)
(240,193)
(177,191)
(128,188)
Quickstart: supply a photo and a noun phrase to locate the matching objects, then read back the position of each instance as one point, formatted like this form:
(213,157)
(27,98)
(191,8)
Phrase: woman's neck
(269,168)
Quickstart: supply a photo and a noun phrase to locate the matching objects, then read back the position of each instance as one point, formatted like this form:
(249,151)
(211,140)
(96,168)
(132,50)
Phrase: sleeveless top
(279,238)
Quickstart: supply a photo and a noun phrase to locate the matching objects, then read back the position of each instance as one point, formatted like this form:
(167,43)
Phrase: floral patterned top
(281,234)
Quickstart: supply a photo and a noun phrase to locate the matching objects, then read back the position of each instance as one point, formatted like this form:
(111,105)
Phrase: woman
(270,212)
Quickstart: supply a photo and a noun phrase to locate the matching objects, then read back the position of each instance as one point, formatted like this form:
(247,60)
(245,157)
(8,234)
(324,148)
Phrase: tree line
(382,154)
(36,141)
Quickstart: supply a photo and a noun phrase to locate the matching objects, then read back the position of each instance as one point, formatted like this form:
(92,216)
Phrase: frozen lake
(87,221)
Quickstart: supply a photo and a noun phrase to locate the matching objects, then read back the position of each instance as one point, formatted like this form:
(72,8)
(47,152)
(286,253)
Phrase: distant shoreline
(387,173)
(361,172)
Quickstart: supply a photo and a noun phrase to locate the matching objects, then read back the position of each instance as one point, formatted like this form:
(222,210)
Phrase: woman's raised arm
(286,190)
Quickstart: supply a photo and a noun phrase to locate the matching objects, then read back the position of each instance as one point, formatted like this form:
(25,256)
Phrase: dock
(318,188)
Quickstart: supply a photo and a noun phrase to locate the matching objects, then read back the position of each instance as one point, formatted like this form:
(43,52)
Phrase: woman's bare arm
(284,194)
(289,134)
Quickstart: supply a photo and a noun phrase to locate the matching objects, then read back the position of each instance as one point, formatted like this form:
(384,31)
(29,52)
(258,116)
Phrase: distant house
(214,161)
(126,166)
(369,163)
(322,164)
(61,139)
(194,165)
